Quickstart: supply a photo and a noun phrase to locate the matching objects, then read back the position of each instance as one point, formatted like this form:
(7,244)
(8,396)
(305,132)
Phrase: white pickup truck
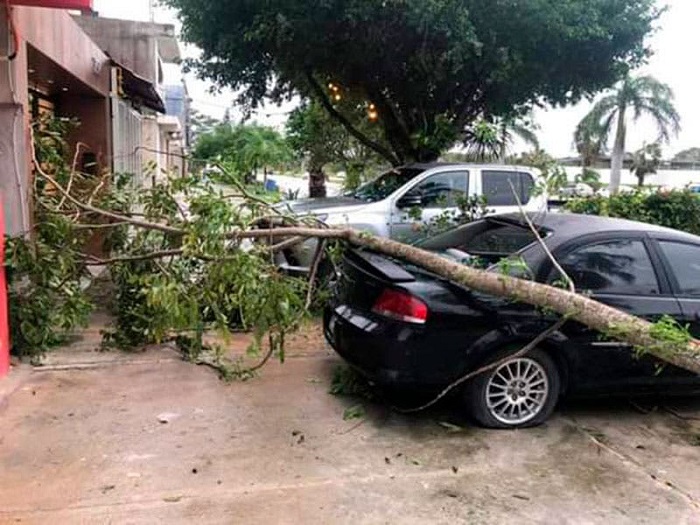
(387,205)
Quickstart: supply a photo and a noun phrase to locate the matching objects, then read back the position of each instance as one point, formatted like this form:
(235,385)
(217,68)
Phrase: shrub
(678,209)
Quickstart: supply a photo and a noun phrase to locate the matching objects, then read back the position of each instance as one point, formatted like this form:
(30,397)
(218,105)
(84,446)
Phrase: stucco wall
(54,33)
(131,43)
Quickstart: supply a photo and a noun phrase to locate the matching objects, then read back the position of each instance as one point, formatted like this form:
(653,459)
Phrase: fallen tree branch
(595,315)
(105,213)
(91,260)
(72,171)
(287,244)
(320,249)
(540,240)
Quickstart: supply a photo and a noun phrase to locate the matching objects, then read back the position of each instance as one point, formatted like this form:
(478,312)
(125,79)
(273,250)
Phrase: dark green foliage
(675,209)
(431,67)
(44,293)
(646,161)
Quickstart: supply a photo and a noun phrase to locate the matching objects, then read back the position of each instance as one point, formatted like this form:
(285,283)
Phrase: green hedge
(675,209)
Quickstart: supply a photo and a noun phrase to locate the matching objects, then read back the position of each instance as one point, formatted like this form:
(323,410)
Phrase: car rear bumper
(391,353)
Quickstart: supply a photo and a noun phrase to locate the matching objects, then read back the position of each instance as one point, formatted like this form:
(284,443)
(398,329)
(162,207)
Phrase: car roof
(424,166)
(569,225)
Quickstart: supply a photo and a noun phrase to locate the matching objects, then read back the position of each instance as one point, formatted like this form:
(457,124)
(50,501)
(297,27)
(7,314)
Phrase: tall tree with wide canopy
(430,67)
(635,97)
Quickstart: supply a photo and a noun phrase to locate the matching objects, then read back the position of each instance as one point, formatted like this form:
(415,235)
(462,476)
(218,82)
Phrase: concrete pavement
(147,438)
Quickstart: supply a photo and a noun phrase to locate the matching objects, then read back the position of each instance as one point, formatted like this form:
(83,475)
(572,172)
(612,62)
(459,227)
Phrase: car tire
(521,392)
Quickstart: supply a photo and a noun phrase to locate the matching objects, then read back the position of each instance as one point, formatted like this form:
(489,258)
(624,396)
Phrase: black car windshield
(482,243)
(384,185)
(499,240)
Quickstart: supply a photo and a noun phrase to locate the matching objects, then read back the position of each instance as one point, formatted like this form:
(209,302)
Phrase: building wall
(131,43)
(54,49)
(55,34)
(93,132)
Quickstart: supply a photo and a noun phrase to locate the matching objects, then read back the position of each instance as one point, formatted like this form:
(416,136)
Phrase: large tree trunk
(598,316)
(503,146)
(317,181)
(618,153)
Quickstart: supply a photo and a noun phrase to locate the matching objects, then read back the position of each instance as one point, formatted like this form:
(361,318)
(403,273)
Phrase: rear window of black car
(498,241)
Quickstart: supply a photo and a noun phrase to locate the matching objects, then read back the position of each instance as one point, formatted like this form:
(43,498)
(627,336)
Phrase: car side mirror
(409,201)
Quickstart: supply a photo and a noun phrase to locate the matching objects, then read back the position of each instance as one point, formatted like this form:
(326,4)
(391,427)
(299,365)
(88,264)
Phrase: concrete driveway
(147,438)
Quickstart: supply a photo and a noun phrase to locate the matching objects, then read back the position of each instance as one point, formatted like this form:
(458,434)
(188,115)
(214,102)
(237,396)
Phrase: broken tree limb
(681,352)
(486,368)
(320,250)
(593,314)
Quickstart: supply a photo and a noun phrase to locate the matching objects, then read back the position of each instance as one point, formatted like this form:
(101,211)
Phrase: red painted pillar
(4,321)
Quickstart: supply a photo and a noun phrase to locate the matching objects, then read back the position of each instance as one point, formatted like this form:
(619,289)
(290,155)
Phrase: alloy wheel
(517,391)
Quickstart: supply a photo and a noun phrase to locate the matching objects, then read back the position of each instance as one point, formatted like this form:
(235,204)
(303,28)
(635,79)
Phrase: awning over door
(138,89)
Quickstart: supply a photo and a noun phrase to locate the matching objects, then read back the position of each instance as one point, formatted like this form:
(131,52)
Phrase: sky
(674,62)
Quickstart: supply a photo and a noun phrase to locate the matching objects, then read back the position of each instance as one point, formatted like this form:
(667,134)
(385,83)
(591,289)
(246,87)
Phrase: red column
(4,323)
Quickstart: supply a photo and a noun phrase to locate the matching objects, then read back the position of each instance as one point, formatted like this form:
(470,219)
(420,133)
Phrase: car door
(501,186)
(623,272)
(682,262)
(423,204)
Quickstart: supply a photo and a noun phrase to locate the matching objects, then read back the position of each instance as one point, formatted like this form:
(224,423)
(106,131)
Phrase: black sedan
(403,326)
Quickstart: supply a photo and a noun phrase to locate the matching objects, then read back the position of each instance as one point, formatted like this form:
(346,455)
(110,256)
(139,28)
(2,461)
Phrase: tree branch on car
(598,316)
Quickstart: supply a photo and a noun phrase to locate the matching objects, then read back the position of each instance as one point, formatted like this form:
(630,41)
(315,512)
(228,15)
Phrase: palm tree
(643,95)
(260,147)
(646,161)
(590,138)
(521,128)
(486,140)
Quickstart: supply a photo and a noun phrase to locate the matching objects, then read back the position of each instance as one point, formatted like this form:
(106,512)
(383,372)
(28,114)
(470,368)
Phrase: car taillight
(401,306)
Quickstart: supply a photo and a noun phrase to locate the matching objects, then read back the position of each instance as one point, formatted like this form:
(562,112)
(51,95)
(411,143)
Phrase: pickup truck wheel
(521,392)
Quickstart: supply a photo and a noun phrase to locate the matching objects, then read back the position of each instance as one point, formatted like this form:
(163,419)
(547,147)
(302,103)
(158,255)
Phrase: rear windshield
(386,184)
(487,240)
(500,240)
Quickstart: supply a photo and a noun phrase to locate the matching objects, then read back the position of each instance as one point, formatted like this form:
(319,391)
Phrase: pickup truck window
(386,184)
(443,190)
(497,187)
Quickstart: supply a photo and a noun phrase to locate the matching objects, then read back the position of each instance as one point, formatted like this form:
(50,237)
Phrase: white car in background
(577,189)
(396,203)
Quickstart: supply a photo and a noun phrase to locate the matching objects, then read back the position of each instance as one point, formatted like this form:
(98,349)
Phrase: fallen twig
(318,256)
(524,350)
